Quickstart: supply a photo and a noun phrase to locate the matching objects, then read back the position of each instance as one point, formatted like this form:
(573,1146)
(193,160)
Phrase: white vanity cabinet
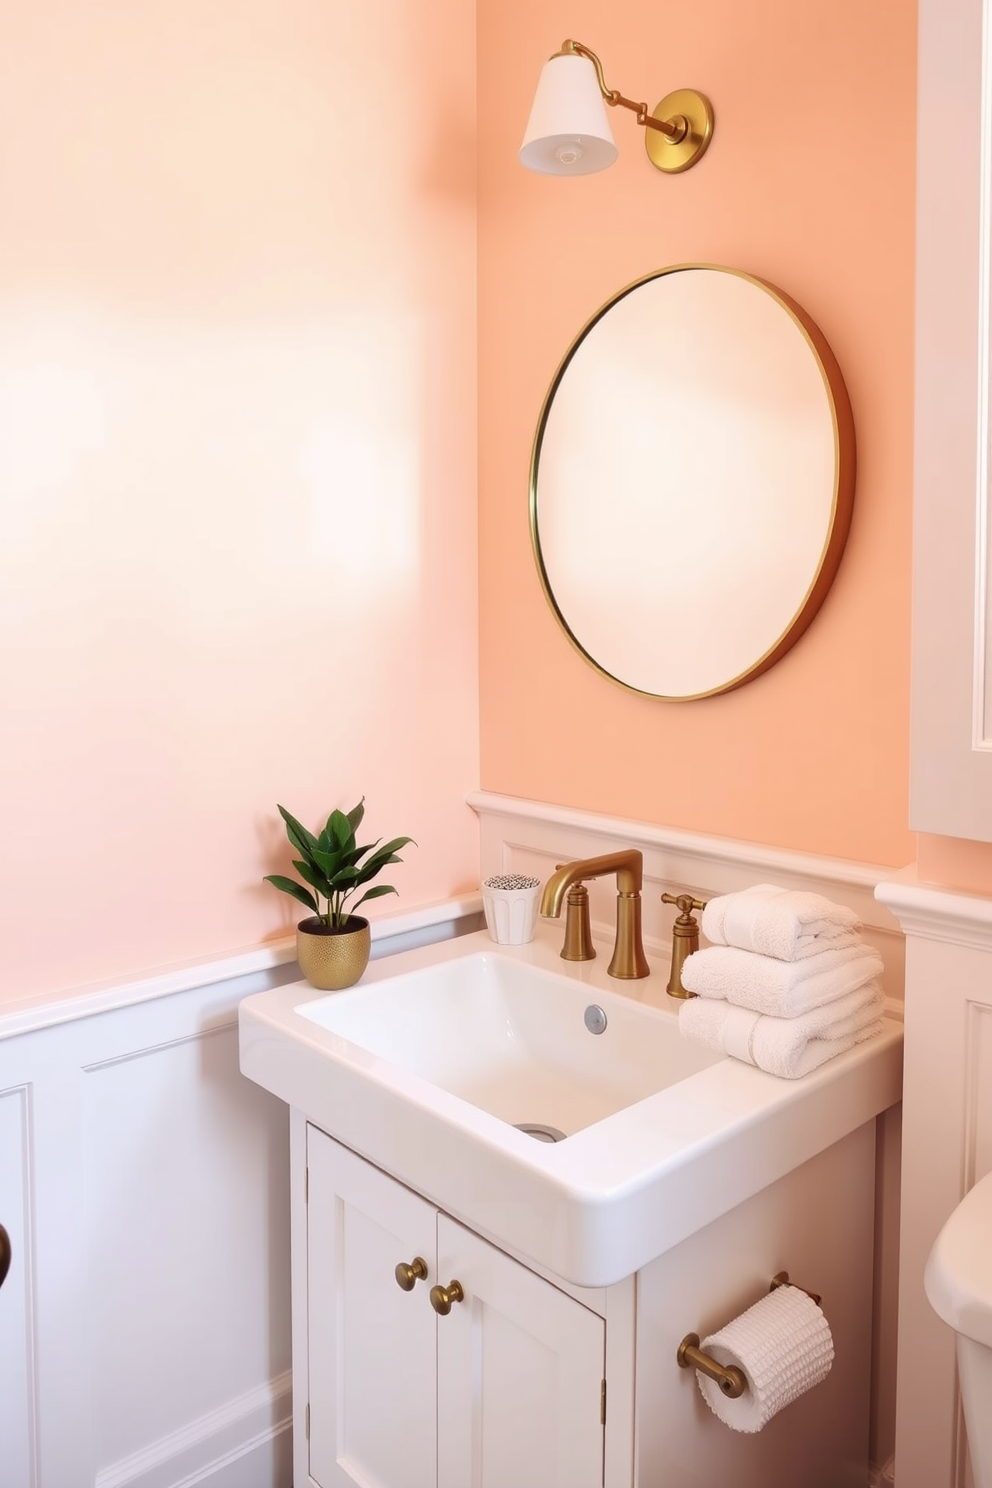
(506,1389)
(667,1216)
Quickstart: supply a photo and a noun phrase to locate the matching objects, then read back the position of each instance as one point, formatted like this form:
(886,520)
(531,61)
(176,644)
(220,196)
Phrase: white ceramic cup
(510,902)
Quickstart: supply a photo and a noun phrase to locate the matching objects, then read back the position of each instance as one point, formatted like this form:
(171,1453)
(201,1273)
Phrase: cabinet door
(520,1368)
(373,1405)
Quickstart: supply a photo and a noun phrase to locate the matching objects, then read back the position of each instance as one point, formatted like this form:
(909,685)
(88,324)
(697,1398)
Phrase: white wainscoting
(947,1147)
(145,1323)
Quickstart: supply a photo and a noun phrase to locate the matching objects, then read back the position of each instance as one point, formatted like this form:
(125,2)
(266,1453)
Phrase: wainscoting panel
(145,1324)
(947,1147)
(187,1195)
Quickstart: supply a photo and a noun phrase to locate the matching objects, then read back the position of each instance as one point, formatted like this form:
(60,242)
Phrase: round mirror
(692,481)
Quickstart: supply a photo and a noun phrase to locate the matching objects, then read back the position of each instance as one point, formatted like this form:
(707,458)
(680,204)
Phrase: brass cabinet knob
(442,1297)
(408,1274)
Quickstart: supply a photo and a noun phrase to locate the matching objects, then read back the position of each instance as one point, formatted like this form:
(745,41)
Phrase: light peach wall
(955,863)
(809,183)
(237,462)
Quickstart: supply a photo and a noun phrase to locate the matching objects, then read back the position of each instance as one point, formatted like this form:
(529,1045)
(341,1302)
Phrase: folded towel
(788,1047)
(781,988)
(786,923)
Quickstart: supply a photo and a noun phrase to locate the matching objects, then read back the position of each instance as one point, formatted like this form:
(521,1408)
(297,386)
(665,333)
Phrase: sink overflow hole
(594,1018)
(541,1133)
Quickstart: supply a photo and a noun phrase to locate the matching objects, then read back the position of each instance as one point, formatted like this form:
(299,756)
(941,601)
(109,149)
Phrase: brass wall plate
(697,111)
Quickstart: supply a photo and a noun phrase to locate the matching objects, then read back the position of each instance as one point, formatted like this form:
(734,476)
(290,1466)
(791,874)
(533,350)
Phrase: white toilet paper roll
(784,1347)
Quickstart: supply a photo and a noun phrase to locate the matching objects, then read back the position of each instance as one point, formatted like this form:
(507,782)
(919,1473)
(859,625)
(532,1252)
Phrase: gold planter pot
(333,959)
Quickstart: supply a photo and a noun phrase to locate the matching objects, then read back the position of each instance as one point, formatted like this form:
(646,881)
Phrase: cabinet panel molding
(978,1082)
(951,709)
(372,1392)
(521,1367)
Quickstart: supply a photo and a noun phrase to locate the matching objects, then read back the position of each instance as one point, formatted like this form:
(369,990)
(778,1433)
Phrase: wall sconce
(568,133)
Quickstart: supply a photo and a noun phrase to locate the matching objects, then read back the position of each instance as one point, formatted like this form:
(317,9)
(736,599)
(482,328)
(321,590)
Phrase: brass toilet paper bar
(731,1380)
(690,1356)
(781,1278)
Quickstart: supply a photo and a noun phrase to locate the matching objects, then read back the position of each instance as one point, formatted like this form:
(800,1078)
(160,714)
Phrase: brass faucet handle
(686,904)
(685,939)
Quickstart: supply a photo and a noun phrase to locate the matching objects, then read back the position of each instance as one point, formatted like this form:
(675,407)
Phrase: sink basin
(512,1039)
(430,1066)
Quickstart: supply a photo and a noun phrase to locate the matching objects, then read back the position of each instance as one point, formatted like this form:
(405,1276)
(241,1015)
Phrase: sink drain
(539,1132)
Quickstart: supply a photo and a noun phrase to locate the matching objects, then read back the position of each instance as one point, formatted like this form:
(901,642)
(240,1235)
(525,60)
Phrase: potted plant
(333,944)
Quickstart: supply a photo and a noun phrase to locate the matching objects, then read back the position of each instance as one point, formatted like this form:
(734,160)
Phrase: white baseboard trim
(203,1450)
(883,1477)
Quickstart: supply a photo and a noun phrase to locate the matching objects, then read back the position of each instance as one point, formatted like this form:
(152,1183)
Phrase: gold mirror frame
(836,527)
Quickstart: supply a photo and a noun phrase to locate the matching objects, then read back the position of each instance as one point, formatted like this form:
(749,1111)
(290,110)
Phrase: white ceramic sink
(512,1039)
(427,1066)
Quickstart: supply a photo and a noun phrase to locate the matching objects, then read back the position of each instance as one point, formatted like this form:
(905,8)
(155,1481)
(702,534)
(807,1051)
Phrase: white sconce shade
(568,133)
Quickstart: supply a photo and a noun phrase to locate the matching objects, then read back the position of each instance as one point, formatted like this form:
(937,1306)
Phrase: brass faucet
(629,960)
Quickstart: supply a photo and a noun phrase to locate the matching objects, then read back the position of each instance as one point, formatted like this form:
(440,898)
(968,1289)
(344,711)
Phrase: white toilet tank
(958,1284)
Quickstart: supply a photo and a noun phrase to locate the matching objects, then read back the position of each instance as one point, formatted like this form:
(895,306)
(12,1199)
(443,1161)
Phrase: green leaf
(359,852)
(329,863)
(396,844)
(375,893)
(355,815)
(384,856)
(339,827)
(315,879)
(301,839)
(289,886)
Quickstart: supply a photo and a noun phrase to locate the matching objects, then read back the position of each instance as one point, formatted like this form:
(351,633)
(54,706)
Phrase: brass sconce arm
(674,129)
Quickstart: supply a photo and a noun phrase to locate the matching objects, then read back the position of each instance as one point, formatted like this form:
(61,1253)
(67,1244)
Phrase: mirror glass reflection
(692,481)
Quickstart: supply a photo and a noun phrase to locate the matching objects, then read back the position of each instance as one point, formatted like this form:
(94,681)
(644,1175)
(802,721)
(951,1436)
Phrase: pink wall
(809,183)
(237,444)
(237,462)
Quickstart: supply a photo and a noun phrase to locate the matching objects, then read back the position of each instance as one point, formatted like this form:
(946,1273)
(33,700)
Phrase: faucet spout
(629,960)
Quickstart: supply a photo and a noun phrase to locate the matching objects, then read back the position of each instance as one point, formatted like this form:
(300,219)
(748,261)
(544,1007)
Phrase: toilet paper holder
(731,1380)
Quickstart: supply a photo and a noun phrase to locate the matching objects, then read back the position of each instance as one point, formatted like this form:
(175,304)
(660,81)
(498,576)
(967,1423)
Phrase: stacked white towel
(788,985)
(785,923)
